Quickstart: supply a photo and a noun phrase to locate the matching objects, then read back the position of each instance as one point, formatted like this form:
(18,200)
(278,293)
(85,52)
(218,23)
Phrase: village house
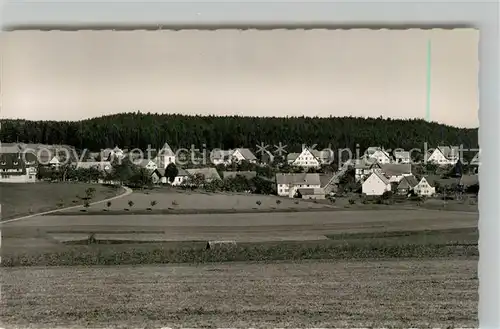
(309,158)
(426,187)
(311,193)
(164,157)
(13,168)
(159,177)
(243,154)
(406,185)
(402,157)
(396,171)
(147,164)
(364,167)
(227,157)
(287,184)
(376,184)
(221,157)
(114,154)
(378,154)
(443,155)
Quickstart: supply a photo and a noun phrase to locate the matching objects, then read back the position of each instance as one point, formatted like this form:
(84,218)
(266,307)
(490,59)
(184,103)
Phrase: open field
(197,200)
(175,201)
(25,199)
(182,239)
(399,294)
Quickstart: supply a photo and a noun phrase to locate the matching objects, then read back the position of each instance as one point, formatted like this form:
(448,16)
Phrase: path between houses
(128,191)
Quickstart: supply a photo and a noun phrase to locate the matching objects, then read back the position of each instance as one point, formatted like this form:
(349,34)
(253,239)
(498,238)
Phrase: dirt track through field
(436,293)
(248,227)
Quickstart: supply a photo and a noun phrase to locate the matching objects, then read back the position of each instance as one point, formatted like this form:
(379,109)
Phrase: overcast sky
(76,75)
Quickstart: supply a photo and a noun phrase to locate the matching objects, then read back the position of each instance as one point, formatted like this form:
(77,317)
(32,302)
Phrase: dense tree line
(131,130)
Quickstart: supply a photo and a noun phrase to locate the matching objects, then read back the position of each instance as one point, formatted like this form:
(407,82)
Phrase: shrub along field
(24,199)
(382,245)
(179,201)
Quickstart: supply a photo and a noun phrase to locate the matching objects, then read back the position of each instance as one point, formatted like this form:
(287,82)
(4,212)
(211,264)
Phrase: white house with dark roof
(443,155)
(243,154)
(287,184)
(425,187)
(308,158)
(147,164)
(376,184)
(378,154)
(165,157)
(226,157)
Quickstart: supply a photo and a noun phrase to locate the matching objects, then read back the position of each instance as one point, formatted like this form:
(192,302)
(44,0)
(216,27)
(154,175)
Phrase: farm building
(311,193)
(159,177)
(13,168)
(376,184)
(426,187)
(406,185)
(443,155)
(378,154)
(309,158)
(287,184)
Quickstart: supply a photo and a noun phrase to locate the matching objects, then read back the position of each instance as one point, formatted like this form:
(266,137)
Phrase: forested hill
(130,130)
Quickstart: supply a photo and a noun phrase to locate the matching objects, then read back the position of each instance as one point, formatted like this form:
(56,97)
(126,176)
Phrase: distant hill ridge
(131,130)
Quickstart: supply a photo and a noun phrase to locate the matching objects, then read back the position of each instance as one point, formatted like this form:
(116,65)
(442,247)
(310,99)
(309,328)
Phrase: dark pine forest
(131,130)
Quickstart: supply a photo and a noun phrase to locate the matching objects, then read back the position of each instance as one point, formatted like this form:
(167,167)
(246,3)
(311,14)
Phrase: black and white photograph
(239,178)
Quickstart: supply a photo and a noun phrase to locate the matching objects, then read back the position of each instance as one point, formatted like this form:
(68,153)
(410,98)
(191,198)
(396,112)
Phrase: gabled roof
(246,153)
(292,156)
(408,182)
(380,176)
(166,150)
(233,174)
(298,178)
(433,179)
(396,169)
(143,163)
(208,173)
(372,150)
(475,160)
(449,152)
